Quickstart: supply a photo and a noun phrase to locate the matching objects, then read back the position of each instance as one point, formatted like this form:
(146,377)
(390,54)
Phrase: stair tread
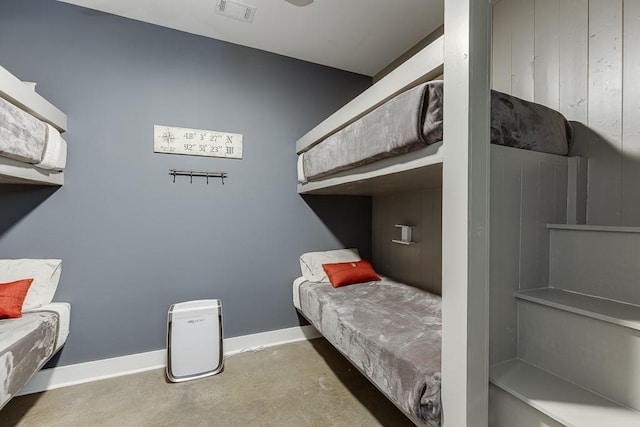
(627,315)
(565,402)
(584,227)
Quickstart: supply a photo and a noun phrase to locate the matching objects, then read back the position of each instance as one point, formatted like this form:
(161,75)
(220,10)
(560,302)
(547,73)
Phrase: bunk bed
(31,152)
(337,158)
(35,328)
(31,148)
(396,135)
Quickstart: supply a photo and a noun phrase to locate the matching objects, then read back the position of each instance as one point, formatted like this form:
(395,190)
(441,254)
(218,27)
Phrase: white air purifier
(194,340)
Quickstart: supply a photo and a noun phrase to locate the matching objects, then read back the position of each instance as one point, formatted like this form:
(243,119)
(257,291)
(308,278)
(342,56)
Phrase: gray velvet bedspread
(26,344)
(522,124)
(22,136)
(413,120)
(407,122)
(391,332)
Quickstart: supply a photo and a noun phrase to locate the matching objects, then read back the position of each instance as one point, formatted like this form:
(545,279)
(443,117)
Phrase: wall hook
(191,174)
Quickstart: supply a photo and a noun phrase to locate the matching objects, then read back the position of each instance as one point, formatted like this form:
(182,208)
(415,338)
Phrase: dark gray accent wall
(132,241)
(419,264)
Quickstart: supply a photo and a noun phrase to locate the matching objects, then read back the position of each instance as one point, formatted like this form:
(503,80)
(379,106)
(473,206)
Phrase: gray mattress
(22,136)
(391,332)
(413,120)
(26,344)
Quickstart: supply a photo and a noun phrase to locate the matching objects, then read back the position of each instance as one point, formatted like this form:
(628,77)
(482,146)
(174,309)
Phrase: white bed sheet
(64,312)
(296,291)
(300,169)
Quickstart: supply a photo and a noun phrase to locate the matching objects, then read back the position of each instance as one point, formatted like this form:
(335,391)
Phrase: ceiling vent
(236,10)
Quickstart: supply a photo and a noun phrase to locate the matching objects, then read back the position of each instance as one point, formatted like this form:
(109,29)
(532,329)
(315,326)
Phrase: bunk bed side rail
(423,66)
(18,93)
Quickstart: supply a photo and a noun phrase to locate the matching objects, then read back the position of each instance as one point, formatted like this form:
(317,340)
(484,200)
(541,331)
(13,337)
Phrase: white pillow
(45,274)
(311,262)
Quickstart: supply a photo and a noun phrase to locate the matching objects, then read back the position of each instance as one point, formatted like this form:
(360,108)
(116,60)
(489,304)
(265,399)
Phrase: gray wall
(581,57)
(132,241)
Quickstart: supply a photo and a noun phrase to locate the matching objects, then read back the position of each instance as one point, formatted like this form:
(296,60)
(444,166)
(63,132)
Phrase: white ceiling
(362,36)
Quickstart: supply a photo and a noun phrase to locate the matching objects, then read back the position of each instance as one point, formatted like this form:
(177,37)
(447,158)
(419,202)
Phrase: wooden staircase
(578,339)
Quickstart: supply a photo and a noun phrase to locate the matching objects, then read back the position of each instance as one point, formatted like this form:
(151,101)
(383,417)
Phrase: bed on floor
(32,150)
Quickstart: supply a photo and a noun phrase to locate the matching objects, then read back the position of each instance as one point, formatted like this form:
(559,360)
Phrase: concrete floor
(300,384)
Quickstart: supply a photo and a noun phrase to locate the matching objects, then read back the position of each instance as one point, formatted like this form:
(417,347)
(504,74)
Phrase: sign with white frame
(196,142)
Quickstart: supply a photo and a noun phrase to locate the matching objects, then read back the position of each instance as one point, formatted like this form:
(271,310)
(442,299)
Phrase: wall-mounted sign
(196,142)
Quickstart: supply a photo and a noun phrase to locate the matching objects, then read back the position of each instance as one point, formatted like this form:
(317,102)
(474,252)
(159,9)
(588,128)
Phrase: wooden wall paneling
(631,116)
(529,262)
(431,240)
(522,49)
(577,181)
(417,265)
(408,258)
(548,208)
(544,201)
(465,213)
(506,192)
(377,221)
(605,112)
(508,410)
(501,47)
(573,55)
(382,220)
(561,190)
(547,56)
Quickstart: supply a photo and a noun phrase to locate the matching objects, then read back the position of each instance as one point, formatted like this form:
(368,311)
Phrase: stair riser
(597,263)
(600,356)
(508,411)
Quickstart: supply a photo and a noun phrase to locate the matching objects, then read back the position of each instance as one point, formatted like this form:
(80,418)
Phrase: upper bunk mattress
(26,344)
(414,119)
(409,121)
(390,331)
(22,136)
(25,138)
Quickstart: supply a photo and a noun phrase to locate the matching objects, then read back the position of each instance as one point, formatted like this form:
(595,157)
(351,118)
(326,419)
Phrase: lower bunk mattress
(27,343)
(390,331)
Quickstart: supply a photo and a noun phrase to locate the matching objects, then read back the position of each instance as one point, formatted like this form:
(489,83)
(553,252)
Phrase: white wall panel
(522,48)
(586,65)
(465,214)
(631,115)
(506,410)
(530,227)
(528,191)
(547,65)
(501,54)
(506,192)
(599,356)
(573,54)
(605,112)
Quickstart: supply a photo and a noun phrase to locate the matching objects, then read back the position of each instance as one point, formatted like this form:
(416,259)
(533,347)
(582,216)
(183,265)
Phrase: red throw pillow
(12,296)
(348,273)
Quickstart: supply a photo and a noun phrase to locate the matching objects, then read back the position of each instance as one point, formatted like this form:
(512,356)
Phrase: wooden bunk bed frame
(21,95)
(389,174)
(465,177)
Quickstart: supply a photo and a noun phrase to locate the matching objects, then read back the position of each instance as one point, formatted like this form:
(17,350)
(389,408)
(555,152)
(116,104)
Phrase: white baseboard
(64,376)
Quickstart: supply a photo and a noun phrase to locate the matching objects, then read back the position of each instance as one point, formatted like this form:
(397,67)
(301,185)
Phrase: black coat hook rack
(191,174)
